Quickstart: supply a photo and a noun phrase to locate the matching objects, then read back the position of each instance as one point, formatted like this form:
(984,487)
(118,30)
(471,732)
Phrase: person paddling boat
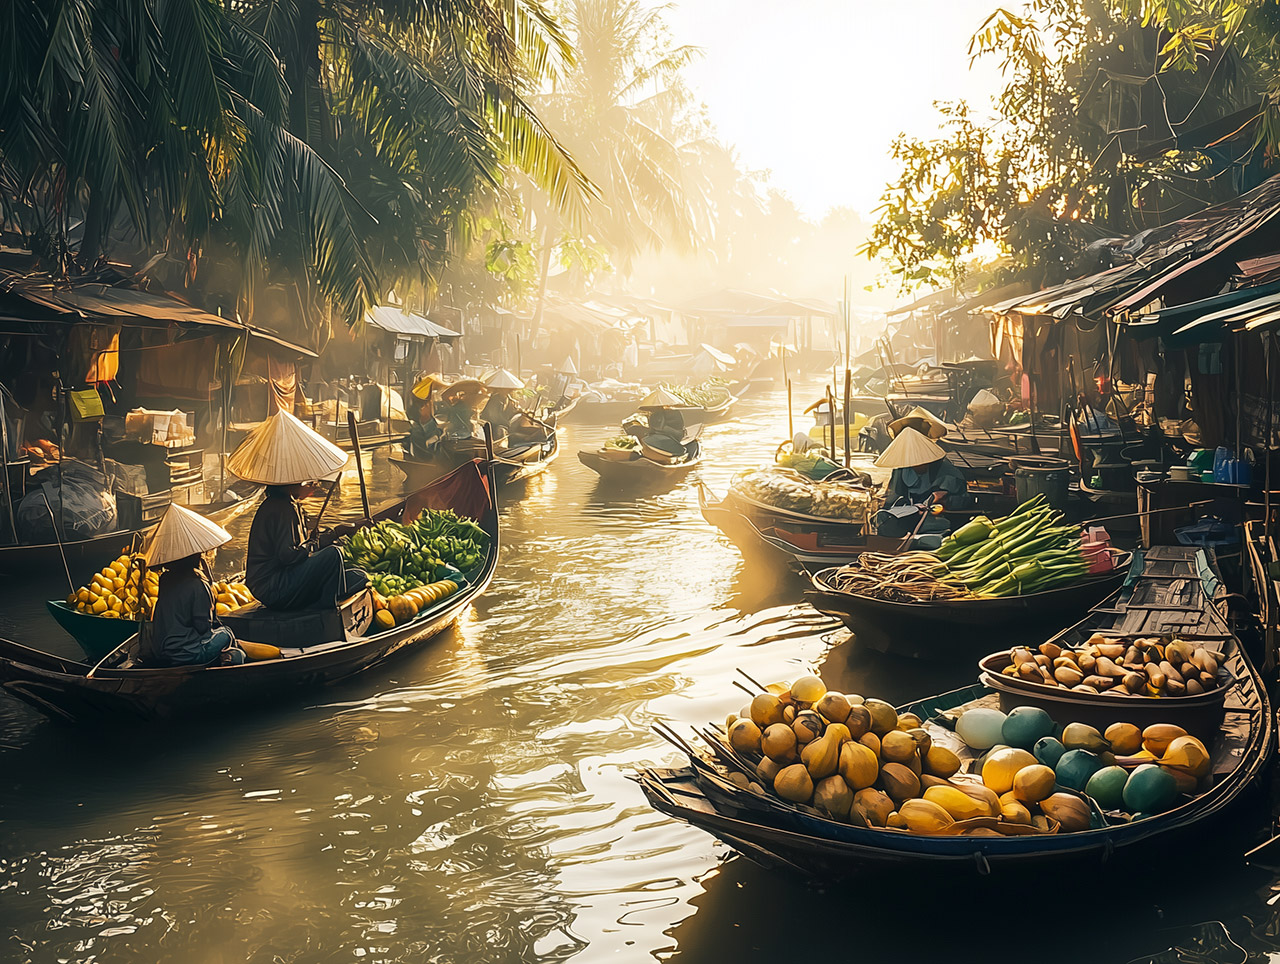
(287,568)
(922,478)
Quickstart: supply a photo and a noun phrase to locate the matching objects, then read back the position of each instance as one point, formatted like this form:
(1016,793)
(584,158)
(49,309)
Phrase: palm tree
(619,111)
(333,146)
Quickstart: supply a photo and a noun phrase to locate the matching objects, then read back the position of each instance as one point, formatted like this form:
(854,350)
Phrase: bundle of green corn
(1027,551)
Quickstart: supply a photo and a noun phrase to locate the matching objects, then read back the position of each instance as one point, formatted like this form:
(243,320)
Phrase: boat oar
(58,536)
(934,509)
(315,529)
(355,446)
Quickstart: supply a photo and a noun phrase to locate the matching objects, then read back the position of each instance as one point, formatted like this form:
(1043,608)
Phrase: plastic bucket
(1038,475)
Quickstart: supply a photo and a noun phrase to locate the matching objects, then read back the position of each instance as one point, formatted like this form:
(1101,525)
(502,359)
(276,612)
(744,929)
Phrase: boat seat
(300,628)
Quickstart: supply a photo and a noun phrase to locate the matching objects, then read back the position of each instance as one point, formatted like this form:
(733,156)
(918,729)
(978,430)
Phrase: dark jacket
(908,485)
(184,618)
(276,539)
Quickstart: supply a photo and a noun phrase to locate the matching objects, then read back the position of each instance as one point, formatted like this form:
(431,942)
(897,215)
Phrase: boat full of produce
(840,784)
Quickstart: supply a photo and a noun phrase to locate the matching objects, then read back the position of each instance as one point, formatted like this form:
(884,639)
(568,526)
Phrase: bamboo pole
(791,428)
(848,398)
(831,407)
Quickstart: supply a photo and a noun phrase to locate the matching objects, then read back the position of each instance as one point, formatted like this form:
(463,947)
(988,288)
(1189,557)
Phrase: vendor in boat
(184,628)
(662,409)
(424,429)
(922,478)
(502,407)
(288,568)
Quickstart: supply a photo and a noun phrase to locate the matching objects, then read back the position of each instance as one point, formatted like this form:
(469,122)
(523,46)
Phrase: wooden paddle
(355,447)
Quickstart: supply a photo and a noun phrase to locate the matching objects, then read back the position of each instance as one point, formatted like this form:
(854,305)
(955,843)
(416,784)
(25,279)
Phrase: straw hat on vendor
(922,420)
(662,397)
(435,382)
(184,629)
(922,479)
(503,381)
(286,567)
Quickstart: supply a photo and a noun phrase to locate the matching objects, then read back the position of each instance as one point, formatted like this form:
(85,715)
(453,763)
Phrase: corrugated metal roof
(120,305)
(403,322)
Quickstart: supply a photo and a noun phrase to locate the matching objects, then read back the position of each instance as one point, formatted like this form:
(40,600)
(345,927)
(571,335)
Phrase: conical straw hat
(922,420)
(567,367)
(283,451)
(909,448)
(503,379)
(428,383)
(661,398)
(182,533)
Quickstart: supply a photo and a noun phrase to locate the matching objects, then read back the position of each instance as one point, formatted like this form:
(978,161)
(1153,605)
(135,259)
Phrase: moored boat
(511,464)
(952,628)
(64,689)
(641,470)
(84,556)
(1072,828)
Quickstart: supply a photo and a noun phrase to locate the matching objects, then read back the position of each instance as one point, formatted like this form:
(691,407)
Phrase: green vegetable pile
(1026,551)
(709,394)
(399,557)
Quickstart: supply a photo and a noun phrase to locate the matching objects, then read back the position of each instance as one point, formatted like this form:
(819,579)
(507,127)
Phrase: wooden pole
(355,446)
(831,407)
(848,398)
(791,428)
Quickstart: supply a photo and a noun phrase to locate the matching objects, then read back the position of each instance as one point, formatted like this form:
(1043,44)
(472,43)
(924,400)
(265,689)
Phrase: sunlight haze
(881,64)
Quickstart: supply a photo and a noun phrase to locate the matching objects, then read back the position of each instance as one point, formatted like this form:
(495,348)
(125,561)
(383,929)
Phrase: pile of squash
(398,610)
(1139,667)
(859,761)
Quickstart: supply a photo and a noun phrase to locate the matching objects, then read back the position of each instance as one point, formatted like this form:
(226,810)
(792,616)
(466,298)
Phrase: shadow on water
(469,801)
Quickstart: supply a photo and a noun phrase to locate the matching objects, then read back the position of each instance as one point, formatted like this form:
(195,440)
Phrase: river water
(470,802)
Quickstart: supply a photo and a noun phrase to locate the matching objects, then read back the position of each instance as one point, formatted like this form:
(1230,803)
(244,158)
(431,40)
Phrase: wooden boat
(86,556)
(97,636)
(795,539)
(61,688)
(955,628)
(510,465)
(779,836)
(641,471)
(611,412)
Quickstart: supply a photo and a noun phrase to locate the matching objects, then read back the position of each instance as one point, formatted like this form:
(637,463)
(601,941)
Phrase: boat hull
(86,556)
(954,629)
(637,472)
(61,687)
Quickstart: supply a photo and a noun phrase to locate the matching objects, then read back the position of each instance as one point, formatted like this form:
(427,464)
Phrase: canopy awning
(402,322)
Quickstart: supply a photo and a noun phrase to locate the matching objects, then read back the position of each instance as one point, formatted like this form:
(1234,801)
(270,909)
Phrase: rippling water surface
(470,801)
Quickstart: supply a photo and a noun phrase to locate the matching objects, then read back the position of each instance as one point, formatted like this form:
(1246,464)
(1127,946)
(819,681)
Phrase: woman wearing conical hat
(922,477)
(287,569)
(184,626)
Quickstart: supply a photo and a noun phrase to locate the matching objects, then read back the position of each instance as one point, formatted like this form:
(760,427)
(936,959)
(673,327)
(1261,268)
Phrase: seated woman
(184,627)
(286,569)
(922,477)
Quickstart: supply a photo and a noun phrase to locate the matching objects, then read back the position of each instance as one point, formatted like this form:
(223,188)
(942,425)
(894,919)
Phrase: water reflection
(471,802)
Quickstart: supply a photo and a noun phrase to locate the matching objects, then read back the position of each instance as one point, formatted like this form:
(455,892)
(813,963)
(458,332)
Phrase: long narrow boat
(781,536)
(62,688)
(640,471)
(86,556)
(781,836)
(510,465)
(951,628)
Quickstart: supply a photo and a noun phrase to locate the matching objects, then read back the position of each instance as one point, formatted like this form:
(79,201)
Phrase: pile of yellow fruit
(398,610)
(121,591)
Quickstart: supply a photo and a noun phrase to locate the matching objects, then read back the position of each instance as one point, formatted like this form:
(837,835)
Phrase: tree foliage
(1082,142)
(337,146)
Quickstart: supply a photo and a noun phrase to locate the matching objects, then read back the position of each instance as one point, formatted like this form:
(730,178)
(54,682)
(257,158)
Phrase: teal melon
(1025,725)
(1107,787)
(1150,789)
(1076,767)
(1048,750)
